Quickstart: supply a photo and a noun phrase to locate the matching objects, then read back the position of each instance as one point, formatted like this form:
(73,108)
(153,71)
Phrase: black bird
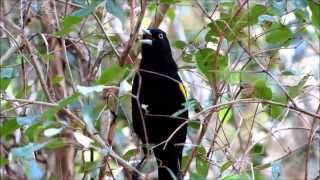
(159,94)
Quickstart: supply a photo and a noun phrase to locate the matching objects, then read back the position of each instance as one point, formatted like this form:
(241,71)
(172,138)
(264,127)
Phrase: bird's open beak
(146,41)
(146,37)
(146,32)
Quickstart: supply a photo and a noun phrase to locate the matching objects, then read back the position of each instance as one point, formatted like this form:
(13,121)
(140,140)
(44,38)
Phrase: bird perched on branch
(157,108)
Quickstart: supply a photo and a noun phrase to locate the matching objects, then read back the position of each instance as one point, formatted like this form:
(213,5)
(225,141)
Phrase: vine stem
(309,145)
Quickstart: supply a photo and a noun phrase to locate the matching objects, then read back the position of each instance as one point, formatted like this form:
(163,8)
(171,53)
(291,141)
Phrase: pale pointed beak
(146,31)
(147,37)
(146,41)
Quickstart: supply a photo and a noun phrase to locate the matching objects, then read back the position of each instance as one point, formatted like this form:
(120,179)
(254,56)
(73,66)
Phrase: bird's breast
(161,95)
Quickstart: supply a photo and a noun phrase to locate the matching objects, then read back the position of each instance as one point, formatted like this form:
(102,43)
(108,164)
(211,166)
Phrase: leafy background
(251,68)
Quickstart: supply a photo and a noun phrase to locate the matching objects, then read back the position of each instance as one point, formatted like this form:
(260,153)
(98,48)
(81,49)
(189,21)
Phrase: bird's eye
(160,36)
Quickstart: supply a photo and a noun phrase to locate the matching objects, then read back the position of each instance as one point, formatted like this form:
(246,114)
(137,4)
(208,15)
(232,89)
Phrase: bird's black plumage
(159,94)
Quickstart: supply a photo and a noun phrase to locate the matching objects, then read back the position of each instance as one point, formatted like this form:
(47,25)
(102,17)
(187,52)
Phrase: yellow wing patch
(183,90)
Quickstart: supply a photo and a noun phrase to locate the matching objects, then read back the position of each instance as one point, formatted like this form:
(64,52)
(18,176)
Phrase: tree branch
(133,35)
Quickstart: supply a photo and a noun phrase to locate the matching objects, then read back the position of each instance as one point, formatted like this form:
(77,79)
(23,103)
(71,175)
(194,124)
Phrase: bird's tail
(169,161)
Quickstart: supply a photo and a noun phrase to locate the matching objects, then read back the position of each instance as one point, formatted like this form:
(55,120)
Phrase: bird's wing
(183,90)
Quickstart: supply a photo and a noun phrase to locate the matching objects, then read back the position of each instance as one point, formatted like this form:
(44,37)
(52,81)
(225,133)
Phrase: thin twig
(254,100)
(37,67)
(12,49)
(134,34)
(203,128)
(267,72)
(29,101)
(107,37)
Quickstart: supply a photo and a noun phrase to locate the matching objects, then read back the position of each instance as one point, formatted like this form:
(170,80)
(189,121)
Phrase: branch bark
(63,165)
(133,36)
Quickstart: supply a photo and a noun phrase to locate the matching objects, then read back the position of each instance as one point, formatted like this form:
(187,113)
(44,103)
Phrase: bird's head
(156,51)
(155,41)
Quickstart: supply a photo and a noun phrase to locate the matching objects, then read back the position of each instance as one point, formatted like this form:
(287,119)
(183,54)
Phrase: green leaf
(152,6)
(130,153)
(234,78)
(113,75)
(87,90)
(201,163)
(204,58)
(115,9)
(4,45)
(194,124)
(252,15)
(89,166)
(6,75)
(222,72)
(8,127)
(185,158)
(57,79)
(211,36)
(33,132)
(226,114)
(52,132)
(257,154)
(235,177)
(3,161)
(197,176)
(125,101)
(180,44)
(300,14)
(187,58)
(69,100)
(86,11)
(277,111)
(279,35)
(216,27)
(88,118)
(204,61)
(287,73)
(315,10)
(4,83)
(246,76)
(49,114)
(47,57)
(171,14)
(225,166)
(56,143)
(67,25)
(262,91)
(296,90)
(169,1)
(21,92)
